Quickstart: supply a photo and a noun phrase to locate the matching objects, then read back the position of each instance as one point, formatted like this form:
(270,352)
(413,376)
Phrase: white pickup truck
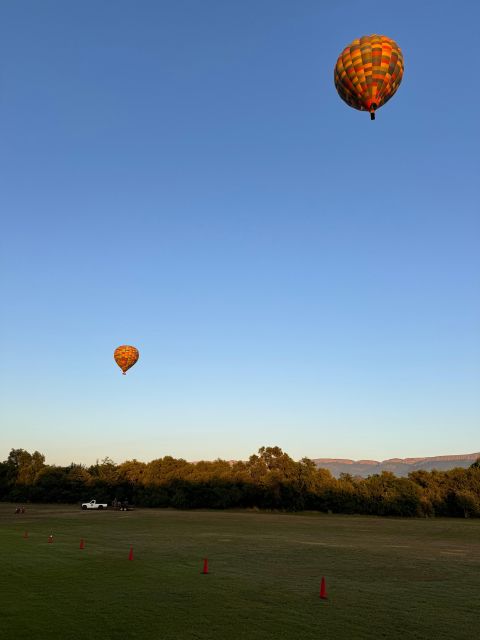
(93,504)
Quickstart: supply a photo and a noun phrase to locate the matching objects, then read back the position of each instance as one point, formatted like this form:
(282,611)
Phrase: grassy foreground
(386,578)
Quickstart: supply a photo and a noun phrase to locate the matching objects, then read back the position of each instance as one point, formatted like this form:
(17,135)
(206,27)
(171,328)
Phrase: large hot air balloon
(368,72)
(125,356)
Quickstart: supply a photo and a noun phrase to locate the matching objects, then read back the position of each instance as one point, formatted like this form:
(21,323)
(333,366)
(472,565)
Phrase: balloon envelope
(368,72)
(126,356)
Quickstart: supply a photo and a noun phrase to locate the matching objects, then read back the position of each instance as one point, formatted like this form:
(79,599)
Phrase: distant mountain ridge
(398,466)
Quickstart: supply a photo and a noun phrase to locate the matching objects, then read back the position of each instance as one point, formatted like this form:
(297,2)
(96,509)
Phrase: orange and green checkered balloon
(368,72)
(126,356)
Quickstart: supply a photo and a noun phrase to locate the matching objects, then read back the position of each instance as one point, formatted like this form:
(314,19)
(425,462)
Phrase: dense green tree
(23,467)
(270,479)
(105,471)
(4,480)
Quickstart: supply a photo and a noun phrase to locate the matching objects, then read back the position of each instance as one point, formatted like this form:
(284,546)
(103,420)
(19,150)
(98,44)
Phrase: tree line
(270,480)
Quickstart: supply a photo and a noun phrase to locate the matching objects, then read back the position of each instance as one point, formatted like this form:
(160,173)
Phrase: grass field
(386,578)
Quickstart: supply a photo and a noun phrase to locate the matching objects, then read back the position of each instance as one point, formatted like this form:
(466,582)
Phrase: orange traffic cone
(323,589)
(50,539)
(82,543)
(130,555)
(205,565)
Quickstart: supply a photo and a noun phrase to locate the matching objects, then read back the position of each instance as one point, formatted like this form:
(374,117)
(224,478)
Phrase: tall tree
(24,466)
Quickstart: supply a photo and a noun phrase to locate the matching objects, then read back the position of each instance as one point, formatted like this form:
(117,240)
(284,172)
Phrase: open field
(386,578)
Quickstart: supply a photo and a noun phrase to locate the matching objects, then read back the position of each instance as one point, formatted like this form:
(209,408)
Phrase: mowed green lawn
(386,578)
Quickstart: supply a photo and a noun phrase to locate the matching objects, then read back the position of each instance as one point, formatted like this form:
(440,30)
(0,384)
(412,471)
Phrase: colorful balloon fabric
(368,72)
(126,356)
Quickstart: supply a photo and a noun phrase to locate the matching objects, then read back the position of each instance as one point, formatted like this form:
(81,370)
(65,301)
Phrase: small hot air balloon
(125,356)
(368,72)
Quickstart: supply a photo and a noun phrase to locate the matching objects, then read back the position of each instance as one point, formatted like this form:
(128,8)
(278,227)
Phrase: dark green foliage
(269,480)
(476,464)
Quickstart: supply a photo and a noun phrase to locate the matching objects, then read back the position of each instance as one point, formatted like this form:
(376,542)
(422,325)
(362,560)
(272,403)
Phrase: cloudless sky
(183,177)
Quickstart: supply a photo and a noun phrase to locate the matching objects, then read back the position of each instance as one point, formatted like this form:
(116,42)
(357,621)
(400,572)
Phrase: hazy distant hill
(398,466)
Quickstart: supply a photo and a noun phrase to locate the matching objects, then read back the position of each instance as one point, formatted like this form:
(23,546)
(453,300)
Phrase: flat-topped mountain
(399,466)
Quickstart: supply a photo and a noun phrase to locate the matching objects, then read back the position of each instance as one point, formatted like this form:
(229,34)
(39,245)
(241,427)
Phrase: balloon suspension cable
(372,111)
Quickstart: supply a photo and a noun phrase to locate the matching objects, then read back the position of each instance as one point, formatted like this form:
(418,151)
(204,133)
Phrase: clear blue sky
(182,176)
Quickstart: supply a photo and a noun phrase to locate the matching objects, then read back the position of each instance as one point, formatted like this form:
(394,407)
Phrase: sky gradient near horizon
(182,176)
